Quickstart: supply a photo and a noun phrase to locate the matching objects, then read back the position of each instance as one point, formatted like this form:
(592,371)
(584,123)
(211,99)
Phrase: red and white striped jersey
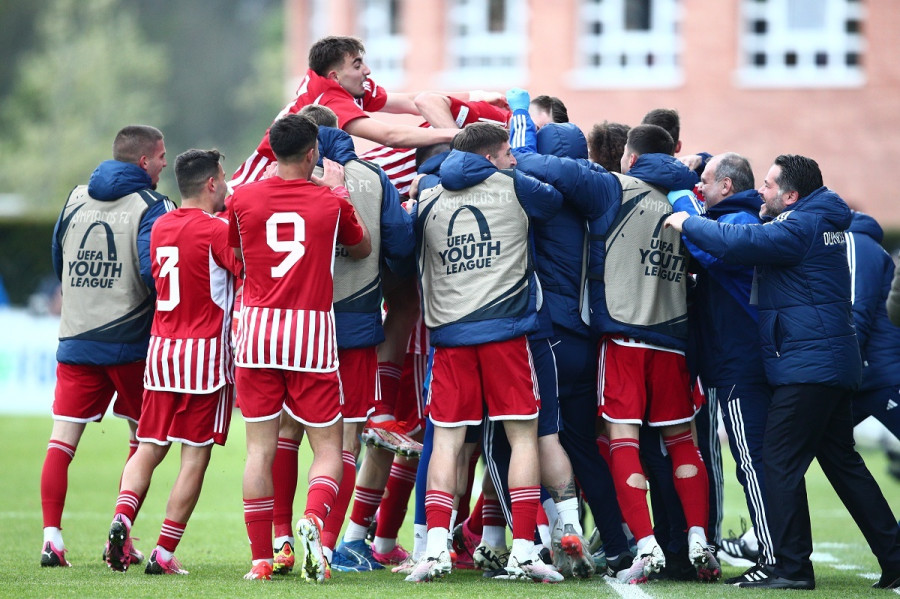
(314,89)
(194,268)
(287,231)
(400,163)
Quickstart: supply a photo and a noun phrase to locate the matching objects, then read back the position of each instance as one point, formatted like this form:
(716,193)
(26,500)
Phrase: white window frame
(505,52)
(385,52)
(780,38)
(663,40)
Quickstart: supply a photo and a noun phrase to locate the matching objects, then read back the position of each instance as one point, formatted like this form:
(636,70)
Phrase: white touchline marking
(627,591)
(846,567)
(738,562)
(822,556)
(870,576)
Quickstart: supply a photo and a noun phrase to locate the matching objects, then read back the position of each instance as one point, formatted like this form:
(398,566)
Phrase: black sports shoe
(766,579)
(889,580)
(616,564)
(735,545)
(750,574)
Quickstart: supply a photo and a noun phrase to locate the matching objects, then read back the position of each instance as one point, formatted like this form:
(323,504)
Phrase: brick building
(759,77)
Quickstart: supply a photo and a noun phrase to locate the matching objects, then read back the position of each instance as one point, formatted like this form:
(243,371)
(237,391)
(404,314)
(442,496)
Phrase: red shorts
(83,393)
(359,379)
(410,408)
(498,374)
(313,398)
(189,418)
(639,384)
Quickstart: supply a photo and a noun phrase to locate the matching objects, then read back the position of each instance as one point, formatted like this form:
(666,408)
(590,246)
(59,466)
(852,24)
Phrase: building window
(801,43)
(487,43)
(380,26)
(628,43)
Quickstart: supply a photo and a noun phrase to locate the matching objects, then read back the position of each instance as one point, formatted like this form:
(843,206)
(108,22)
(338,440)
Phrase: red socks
(399,487)
(170,535)
(389,379)
(55,481)
(335,519)
(258,518)
(525,502)
(625,460)
(320,496)
(692,490)
(438,509)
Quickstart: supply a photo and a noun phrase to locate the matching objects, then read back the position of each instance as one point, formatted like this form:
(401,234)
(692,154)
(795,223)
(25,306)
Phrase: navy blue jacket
(364,329)
(110,181)
(871,272)
(461,170)
(723,336)
(560,242)
(803,283)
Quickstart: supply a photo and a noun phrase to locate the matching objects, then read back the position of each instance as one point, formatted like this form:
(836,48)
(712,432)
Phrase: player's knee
(637,480)
(686,471)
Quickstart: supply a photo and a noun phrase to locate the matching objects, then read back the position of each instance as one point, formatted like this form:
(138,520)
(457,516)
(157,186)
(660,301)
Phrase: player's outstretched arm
(398,136)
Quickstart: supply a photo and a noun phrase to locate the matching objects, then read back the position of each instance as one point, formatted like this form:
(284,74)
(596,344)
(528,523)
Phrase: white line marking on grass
(734,561)
(846,567)
(627,591)
(829,545)
(822,556)
(870,576)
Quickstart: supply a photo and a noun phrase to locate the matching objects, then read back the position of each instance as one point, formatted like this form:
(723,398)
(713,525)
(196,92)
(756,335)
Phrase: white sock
(644,544)
(522,549)
(280,541)
(550,511)
(495,536)
(453,516)
(420,536)
(544,533)
(328,552)
(164,554)
(437,541)
(54,535)
(697,533)
(749,539)
(568,514)
(257,562)
(383,545)
(355,532)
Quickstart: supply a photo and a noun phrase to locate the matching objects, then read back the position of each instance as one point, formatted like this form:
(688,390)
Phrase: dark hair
(193,168)
(606,144)
(291,136)
(798,173)
(554,106)
(737,168)
(135,141)
(330,51)
(480,138)
(426,152)
(320,115)
(650,139)
(667,118)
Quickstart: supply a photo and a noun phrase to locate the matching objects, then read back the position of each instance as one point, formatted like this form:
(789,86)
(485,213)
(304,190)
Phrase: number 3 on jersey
(293,246)
(167,257)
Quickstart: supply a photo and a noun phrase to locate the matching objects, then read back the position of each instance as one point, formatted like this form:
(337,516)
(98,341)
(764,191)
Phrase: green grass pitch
(216,551)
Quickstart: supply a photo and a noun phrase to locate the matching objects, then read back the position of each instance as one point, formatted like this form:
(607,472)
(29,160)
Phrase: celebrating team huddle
(574,311)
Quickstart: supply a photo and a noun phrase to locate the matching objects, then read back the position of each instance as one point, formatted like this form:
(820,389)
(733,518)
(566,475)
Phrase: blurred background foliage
(208,73)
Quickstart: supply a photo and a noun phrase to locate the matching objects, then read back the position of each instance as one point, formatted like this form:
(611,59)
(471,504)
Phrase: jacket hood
(565,140)
(114,179)
(335,144)
(663,171)
(465,169)
(748,200)
(433,165)
(863,223)
(829,205)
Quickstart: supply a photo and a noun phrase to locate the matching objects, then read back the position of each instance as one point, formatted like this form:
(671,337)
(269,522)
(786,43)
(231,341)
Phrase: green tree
(92,72)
